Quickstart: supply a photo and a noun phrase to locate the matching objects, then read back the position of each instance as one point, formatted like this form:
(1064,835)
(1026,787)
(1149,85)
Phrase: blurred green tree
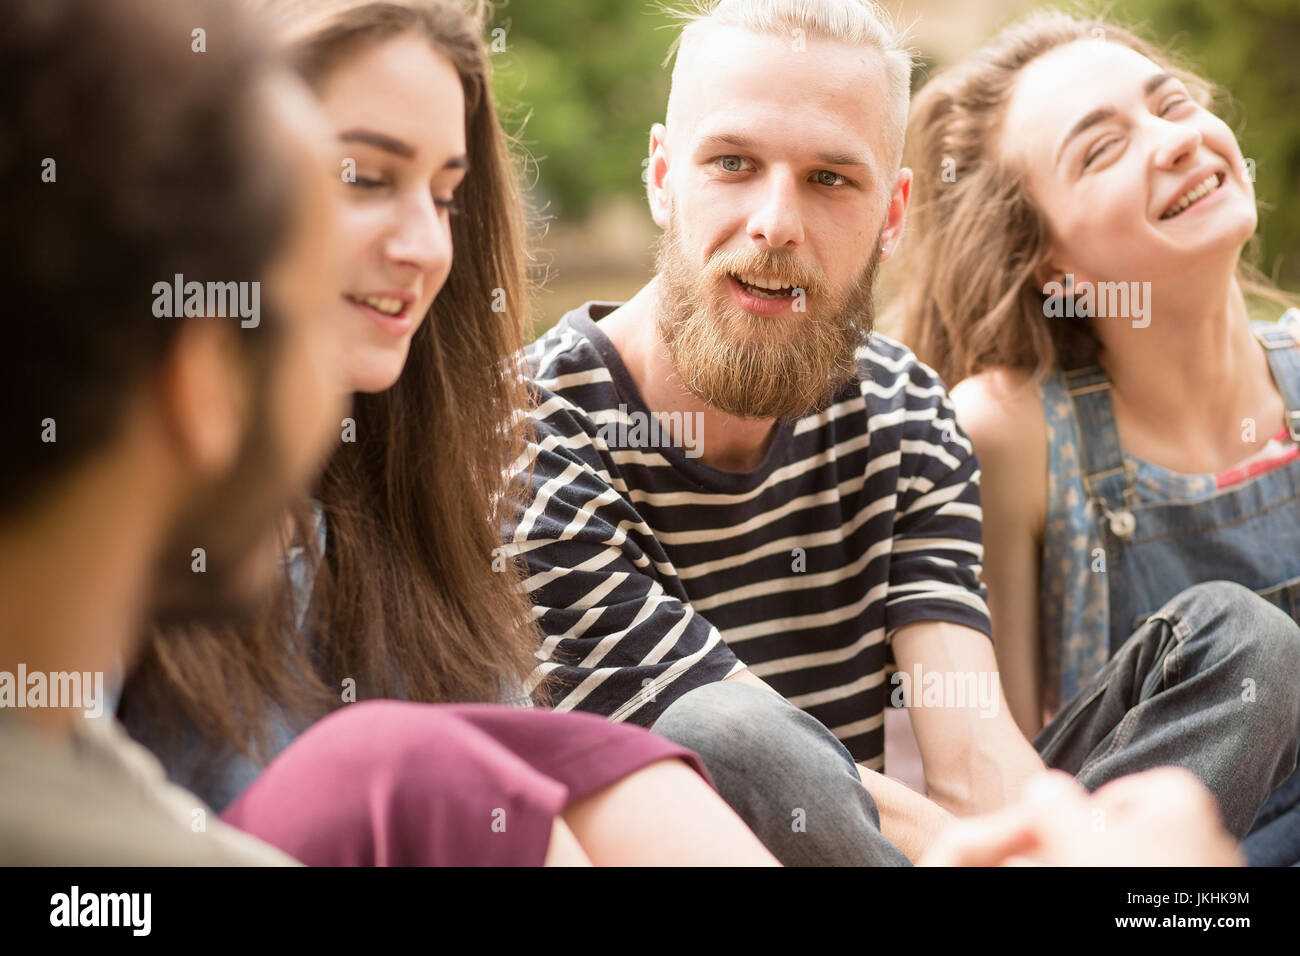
(584,79)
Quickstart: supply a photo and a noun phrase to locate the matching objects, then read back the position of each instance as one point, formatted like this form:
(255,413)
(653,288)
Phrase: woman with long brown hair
(388,590)
(1074,267)
(389,593)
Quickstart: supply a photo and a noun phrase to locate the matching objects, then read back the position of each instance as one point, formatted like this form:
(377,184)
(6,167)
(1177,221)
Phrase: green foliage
(584,77)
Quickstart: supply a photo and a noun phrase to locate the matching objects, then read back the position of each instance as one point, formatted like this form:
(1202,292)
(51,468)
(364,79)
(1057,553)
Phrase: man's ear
(656,180)
(899,197)
(203,393)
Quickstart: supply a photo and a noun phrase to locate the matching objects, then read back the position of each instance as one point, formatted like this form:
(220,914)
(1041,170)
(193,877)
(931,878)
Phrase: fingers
(983,841)
(1010,836)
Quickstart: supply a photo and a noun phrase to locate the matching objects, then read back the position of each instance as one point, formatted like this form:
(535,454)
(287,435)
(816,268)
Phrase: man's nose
(777,222)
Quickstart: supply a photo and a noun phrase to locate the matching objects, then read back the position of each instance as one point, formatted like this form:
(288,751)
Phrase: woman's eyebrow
(1092,119)
(1105,112)
(380,141)
(1157,81)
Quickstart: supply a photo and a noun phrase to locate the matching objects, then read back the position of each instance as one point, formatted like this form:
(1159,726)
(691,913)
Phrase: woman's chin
(1232,238)
(377,371)
(1229,232)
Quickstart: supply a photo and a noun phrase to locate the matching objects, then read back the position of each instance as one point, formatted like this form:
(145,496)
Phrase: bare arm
(1004,420)
(975,757)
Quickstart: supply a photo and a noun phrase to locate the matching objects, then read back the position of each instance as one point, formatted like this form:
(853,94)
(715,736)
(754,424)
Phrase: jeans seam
(1181,630)
(1121,737)
(1073,718)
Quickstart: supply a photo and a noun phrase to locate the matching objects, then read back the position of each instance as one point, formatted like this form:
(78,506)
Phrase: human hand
(1162,817)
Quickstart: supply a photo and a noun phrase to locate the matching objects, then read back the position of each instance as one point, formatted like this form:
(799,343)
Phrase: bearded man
(832,510)
(750,600)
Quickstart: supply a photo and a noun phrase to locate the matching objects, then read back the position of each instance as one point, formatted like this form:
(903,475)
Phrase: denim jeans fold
(1211,682)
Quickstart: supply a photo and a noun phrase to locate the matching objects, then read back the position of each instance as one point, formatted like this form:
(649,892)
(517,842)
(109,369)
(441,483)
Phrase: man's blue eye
(827,178)
(732,164)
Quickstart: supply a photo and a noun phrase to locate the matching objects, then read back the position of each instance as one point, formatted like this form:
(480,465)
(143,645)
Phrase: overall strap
(1283,351)
(1107,479)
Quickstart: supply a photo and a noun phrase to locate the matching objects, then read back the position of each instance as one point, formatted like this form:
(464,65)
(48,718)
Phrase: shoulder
(564,351)
(567,381)
(571,384)
(107,802)
(902,397)
(571,396)
(1002,410)
(887,367)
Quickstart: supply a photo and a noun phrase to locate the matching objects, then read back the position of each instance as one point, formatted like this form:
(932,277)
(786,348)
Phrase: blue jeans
(1275,838)
(1179,533)
(1211,683)
(787,776)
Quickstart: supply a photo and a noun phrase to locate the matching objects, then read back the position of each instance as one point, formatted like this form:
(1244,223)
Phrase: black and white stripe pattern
(651,573)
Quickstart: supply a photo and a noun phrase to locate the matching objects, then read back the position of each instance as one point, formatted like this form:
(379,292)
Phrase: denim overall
(1249,534)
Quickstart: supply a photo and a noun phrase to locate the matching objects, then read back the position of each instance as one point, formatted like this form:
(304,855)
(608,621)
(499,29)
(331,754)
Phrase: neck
(73,585)
(725,441)
(1200,334)
(1196,371)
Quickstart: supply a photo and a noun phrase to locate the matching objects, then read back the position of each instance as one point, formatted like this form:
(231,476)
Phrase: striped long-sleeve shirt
(652,573)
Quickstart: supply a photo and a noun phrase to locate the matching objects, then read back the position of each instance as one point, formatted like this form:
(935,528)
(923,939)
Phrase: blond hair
(859,23)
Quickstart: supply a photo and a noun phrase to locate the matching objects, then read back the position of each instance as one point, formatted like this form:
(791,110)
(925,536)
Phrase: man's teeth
(384,305)
(758,282)
(1204,189)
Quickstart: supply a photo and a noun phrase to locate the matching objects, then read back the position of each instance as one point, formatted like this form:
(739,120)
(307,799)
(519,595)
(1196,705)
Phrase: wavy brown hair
(966,274)
(405,601)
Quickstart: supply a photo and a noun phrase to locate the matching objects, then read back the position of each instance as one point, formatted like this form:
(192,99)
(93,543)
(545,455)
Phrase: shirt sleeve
(620,636)
(938,548)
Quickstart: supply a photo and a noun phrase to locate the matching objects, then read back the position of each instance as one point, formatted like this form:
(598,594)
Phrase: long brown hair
(405,602)
(966,274)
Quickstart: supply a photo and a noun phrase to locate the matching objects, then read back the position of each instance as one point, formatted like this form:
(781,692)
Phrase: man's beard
(237,522)
(751,366)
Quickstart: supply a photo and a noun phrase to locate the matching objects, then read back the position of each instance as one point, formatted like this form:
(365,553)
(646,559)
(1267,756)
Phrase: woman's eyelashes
(1174,103)
(374,184)
(369,180)
(1097,151)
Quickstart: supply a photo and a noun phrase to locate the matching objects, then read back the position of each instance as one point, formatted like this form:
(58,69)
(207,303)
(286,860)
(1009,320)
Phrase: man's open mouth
(764,288)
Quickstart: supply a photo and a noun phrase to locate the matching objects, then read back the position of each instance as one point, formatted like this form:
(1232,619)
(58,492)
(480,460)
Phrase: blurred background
(581,82)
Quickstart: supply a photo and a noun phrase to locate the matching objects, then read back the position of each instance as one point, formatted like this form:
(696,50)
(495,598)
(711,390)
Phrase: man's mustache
(782,267)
